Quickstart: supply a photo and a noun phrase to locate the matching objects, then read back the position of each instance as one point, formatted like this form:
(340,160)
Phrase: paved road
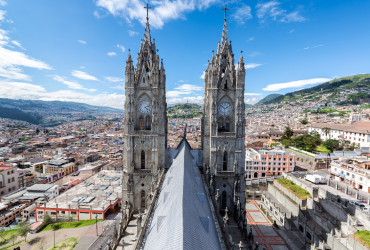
(112,219)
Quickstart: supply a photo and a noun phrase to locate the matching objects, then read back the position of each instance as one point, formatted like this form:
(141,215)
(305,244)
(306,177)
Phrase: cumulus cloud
(70,84)
(252,100)
(242,14)
(3,3)
(111,54)
(272,10)
(114,79)
(83,75)
(81,41)
(203,75)
(20,90)
(121,47)
(161,12)
(132,33)
(295,84)
(12,61)
(249,94)
(251,65)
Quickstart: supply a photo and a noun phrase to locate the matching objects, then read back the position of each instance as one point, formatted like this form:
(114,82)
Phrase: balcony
(225,173)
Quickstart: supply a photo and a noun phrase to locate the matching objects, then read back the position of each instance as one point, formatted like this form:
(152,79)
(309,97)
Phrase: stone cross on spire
(225,10)
(147,11)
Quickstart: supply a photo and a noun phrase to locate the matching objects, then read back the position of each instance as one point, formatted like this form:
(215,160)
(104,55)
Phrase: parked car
(77,173)
(351,202)
(315,178)
(359,205)
(366,209)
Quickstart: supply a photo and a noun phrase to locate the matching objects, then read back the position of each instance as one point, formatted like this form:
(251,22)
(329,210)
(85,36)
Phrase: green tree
(13,237)
(332,144)
(37,130)
(326,131)
(287,134)
(23,229)
(304,121)
(3,234)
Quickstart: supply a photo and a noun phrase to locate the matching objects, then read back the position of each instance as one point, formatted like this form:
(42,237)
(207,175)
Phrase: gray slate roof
(182,218)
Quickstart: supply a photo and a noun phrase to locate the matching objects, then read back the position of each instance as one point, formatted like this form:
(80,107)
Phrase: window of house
(40,212)
(13,188)
(12,179)
(74,213)
(224,162)
(53,213)
(142,159)
(360,178)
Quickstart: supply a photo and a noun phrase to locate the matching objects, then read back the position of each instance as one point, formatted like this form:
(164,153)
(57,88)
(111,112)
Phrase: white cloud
(121,47)
(295,84)
(114,79)
(111,54)
(121,87)
(18,44)
(81,41)
(255,53)
(183,81)
(184,89)
(20,90)
(271,10)
(70,84)
(82,67)
(318,46)
(293,17)
(250,39)
(291,31)
(9,21)
(203,75)
(83,75)
(132,33)
(242,14)
(190,99)
(11,62)
(3,3)
(248,94)
(2,15)
(251,65)
(161,12)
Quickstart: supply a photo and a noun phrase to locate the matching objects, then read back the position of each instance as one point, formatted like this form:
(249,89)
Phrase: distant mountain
(32,105)
(248,105)
(268,99)
(334,87)
(16,114)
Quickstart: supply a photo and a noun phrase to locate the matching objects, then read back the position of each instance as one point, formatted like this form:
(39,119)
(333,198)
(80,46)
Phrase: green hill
(334,87)
(16,114)
(268,99)
(187,110)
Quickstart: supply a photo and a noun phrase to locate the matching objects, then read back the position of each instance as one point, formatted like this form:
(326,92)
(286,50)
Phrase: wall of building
(283,199)
(290,194)
(303,161)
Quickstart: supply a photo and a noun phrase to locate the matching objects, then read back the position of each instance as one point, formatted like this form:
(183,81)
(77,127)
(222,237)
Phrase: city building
(264,163)
(9,181)
(358,132)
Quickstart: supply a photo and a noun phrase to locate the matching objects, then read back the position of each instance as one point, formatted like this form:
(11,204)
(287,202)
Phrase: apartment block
(264,163)
(9,181)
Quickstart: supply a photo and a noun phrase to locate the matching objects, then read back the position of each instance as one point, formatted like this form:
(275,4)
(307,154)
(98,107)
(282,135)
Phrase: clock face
(145,107)
(224,108)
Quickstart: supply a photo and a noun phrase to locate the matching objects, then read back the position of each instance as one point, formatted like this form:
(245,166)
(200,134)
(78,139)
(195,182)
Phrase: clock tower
(145,123)
(223,124)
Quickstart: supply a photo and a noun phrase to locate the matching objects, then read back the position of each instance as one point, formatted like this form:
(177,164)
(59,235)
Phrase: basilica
(183,198)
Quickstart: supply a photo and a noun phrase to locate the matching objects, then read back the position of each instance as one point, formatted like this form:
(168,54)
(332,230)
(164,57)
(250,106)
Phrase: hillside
(188,110)
(268,98)
(334,88)
(16,114)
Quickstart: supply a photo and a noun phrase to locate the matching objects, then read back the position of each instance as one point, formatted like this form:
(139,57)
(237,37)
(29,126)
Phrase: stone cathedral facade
(223,124)
(145,150)
(145,123)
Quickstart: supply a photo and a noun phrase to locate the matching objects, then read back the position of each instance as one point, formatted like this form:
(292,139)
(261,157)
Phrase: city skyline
(287,46)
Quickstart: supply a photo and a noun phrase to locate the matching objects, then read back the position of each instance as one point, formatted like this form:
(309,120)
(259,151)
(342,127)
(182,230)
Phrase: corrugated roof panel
(205,223)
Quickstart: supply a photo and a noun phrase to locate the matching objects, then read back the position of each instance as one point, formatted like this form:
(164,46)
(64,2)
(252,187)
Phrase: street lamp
(52,226)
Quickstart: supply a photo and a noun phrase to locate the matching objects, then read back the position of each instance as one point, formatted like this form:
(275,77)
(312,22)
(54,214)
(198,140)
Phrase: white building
(358,132)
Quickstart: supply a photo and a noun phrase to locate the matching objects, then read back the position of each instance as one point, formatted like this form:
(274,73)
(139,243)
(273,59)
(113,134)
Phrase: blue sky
(77,50)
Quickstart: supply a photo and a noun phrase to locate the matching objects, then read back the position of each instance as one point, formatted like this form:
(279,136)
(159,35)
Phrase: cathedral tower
(145,122)
(223,124)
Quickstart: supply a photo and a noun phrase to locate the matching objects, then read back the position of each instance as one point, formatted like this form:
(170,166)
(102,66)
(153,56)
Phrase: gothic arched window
(220,123)
(147,122)
(141,122)
(223,200)
(142,199)
(142,159)
(224,162)
(227,124)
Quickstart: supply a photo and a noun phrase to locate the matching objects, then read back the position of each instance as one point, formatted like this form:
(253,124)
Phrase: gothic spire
(147,29)
(241,60)
(224,38)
